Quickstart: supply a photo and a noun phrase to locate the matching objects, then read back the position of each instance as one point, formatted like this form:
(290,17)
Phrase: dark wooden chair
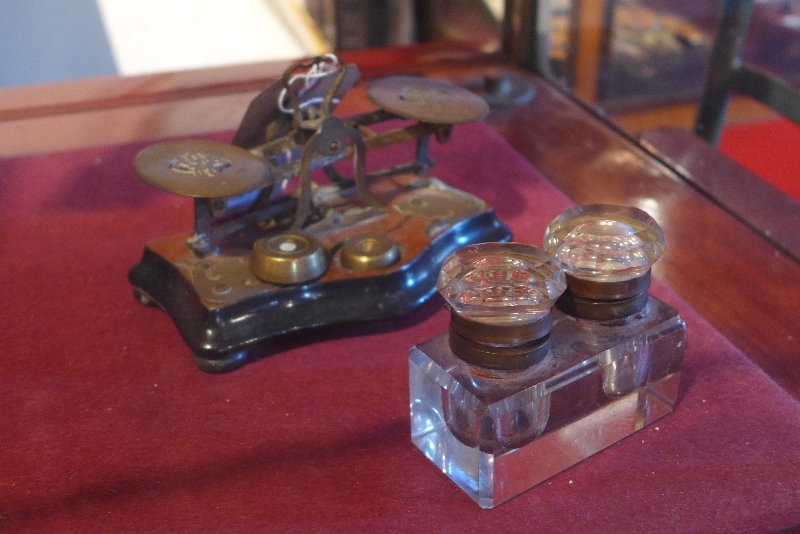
(728,73)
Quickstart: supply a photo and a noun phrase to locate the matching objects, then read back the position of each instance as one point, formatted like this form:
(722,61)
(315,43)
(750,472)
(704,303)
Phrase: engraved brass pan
(201,168)
(427,100)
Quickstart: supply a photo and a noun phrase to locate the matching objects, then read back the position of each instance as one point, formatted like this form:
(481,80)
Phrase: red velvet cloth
(107,426)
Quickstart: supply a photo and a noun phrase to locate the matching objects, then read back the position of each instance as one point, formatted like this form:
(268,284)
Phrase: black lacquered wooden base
(225,314)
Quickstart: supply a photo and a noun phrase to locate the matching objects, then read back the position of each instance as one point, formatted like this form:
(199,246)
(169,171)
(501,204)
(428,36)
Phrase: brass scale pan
(211,169)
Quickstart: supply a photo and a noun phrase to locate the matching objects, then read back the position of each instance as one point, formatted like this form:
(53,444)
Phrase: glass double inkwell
(551,355)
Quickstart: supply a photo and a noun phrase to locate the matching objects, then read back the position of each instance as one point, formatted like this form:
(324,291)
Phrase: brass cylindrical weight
(369,252)
(288,258)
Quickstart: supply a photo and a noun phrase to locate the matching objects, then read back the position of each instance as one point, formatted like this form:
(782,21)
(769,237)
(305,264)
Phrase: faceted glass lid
(501,283)
(605,242)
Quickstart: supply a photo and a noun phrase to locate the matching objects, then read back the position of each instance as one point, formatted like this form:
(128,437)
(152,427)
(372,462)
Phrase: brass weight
(288,258)
(369,252)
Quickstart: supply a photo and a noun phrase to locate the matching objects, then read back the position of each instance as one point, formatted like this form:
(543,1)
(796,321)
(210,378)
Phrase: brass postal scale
(273,251)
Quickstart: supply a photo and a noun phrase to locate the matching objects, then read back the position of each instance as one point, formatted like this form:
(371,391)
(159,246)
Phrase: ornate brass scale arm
(315,139)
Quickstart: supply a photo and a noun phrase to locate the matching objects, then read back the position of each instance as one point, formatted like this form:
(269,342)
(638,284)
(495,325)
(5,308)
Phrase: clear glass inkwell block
(533,390)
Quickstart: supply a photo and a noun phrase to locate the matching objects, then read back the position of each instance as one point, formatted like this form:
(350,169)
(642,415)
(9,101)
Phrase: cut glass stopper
(501,283)
(605,242)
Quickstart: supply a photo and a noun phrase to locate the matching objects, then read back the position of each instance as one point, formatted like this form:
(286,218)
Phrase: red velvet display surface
(107,426)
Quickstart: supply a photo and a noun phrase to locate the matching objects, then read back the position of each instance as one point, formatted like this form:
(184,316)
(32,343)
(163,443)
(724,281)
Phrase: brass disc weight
(200,168)
(426,100)
(288,258)
(369,252)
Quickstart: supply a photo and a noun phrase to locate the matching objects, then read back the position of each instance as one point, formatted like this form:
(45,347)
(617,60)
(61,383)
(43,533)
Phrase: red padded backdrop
(107,426)
(770,149)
